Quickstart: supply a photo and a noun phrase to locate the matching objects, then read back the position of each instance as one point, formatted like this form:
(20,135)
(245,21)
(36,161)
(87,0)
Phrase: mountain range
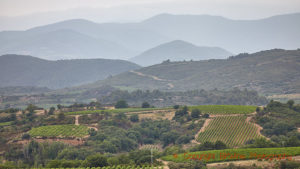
(20,70)
(80,38)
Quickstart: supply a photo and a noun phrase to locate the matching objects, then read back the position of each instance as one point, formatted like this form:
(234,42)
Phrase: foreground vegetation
(127,139)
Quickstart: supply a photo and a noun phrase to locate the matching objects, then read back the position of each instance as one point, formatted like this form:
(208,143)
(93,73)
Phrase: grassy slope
(269,72)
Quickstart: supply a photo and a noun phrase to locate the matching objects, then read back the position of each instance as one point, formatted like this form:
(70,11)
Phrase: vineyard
(114,167)
(237,154)
(224,109)
(232,130)
(5,123)
(60,131)
(125,110)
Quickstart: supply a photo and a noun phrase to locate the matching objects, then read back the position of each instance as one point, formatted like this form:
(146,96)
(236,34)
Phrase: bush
(176,106)
(145,105)
(195,113)
(96,160)
(25,136)
(134,118)
(205,115)
(289,164)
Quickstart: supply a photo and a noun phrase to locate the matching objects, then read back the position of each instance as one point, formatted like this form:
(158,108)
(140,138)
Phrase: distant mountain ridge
(19,70)
(85,39)
(269,72)
(179,50)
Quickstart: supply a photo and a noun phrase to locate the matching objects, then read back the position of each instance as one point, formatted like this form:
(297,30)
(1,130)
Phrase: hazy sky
(21,14)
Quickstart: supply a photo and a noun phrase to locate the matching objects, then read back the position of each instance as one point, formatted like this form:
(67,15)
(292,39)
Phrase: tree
(51,110)
(121,104)
(219,145)
(290,103)
(59,106)
(134,118)
(145,105)
(206,115)
(176,106)
(195,113)
(96,160)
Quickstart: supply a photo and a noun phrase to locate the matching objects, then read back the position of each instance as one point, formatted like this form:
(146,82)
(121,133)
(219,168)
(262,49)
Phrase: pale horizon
(17,15)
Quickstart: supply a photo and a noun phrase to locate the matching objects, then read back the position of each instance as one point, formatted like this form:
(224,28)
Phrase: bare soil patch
(245,163)
(156,115)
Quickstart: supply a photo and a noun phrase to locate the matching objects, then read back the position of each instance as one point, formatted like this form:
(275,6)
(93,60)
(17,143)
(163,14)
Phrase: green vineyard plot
(232,130)
(60,131)
(224,109)
(236,154)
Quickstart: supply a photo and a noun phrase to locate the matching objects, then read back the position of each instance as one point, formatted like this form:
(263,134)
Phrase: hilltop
(178,51)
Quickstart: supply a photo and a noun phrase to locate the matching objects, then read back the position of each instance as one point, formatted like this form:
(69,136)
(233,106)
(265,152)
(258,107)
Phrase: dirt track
(170,85)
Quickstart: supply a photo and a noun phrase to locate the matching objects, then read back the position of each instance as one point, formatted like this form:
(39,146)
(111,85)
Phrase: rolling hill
(19,70)
(269,72)
(178,51)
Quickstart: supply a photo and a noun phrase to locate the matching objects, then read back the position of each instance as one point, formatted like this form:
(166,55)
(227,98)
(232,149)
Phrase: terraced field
(224,109)
(60,131)
(126,110)
(232,130)
(236,154)
(5,123)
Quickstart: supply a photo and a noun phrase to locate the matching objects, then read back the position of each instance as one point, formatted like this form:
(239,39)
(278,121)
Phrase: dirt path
(259,128)
(154,78)
(77,120)
(206,123)
(165,163)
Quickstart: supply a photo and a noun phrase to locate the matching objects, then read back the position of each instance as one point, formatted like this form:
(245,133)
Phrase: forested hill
(268,72)
(20,70)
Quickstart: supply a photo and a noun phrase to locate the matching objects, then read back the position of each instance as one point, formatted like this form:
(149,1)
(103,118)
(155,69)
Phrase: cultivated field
(236,154)
(60,131)
(232,130)
(125,110)
(5,123)
(224,109)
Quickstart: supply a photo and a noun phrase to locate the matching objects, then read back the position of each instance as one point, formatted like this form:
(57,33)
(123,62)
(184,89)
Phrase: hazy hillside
(64,44)
(85,39)
(237,36)
(19,70)
(179,51)
(22,90)
(272,71)
(80,39)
